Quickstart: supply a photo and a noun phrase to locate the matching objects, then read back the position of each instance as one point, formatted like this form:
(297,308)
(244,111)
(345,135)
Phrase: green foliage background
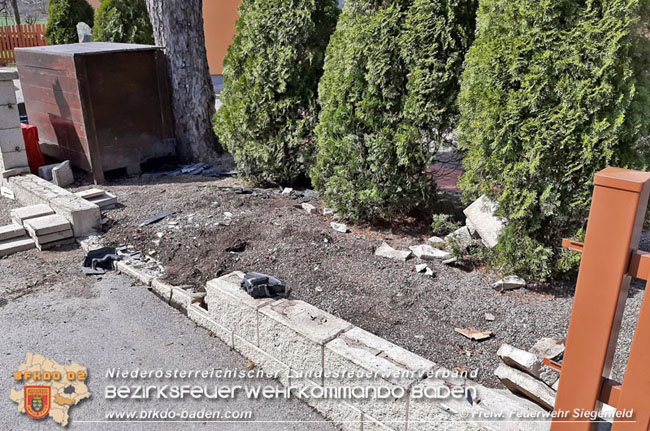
(388,98)
(125,21)
(271,75)
(553,92)
(63,18)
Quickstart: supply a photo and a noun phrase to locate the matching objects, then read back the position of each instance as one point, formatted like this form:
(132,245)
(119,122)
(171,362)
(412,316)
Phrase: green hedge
(125,21)
(271,74)
(388,99)
(64,15)
(553,91)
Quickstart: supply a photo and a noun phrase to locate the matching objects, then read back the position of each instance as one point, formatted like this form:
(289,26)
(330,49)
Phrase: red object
(33,149)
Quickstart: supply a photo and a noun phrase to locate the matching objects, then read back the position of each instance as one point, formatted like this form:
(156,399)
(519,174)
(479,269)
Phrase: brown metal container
(103,106)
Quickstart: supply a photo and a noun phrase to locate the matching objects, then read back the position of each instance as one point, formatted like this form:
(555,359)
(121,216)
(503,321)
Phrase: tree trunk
(178,27)
(14,5)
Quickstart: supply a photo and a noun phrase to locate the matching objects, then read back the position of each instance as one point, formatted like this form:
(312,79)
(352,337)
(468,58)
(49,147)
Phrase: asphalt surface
(110,324)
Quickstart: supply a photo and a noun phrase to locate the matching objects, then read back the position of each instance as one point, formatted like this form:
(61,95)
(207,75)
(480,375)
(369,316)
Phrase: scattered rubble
(339,227)
(423,268)
(480,216)
(308,207)
(426,252)
(510,282)
(389,252)
(474,334)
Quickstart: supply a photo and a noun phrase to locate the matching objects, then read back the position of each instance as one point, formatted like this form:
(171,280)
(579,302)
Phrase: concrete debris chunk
(90,193)
(434,240)
(510,282)
(287,191)
(328,211)
(462,237)
(480,215)
(474,334)
(489,317)
(308,207)
(421,268)
(6,192)
(389,252)
(14,172)
(551,348)
(62,175)
(522,383)
(450,261)
(339,227)
(520,359)
(426,252)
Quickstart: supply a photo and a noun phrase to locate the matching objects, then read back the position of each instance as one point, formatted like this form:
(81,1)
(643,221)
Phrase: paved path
(114,324)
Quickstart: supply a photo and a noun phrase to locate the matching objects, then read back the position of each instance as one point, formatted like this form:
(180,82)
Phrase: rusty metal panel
(104,106)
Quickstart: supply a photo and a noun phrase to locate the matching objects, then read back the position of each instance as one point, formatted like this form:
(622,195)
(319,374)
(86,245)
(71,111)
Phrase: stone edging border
(303,345)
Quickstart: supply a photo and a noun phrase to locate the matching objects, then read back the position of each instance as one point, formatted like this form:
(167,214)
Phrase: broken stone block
(510,282)
(489,317)
(62,174)
(521,383)
(421,268)
(389,252)
(450,261)
(520,359)
(328,211)
(462,237)
(287,191)
(308,207)
(480,215)
(339,227)
(426,252)
(551,348)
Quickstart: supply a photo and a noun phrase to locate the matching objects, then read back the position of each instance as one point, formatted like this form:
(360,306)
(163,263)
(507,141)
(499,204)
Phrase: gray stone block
(16,245)
(7,92)
(162,289)
(20,215)
(263,360)
(364,354)
(233,308)
(200,316)
(9,116)
(11,231)
(345,416)
(522,383)
(487,225)
(46,225)
(11,140)
(296,332)
(14,159)
(62,175)
(135,273)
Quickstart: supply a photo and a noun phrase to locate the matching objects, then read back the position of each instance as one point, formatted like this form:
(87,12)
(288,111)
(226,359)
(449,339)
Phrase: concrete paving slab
(19,215)
(46,225)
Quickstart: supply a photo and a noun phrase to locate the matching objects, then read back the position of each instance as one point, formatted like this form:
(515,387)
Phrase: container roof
(90,48)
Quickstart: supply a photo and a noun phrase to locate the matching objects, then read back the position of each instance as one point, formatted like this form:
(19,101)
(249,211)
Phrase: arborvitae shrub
(125,21)
(271,75)
(64,15)
(553,92)
(388,98)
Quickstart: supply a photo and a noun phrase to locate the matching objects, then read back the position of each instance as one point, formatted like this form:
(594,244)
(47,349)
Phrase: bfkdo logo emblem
(38,401)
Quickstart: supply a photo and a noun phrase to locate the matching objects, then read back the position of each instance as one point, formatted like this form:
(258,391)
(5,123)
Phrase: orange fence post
(615,221)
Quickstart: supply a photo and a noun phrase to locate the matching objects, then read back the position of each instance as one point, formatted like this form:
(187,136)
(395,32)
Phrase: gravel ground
(339,272)
(336,272)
